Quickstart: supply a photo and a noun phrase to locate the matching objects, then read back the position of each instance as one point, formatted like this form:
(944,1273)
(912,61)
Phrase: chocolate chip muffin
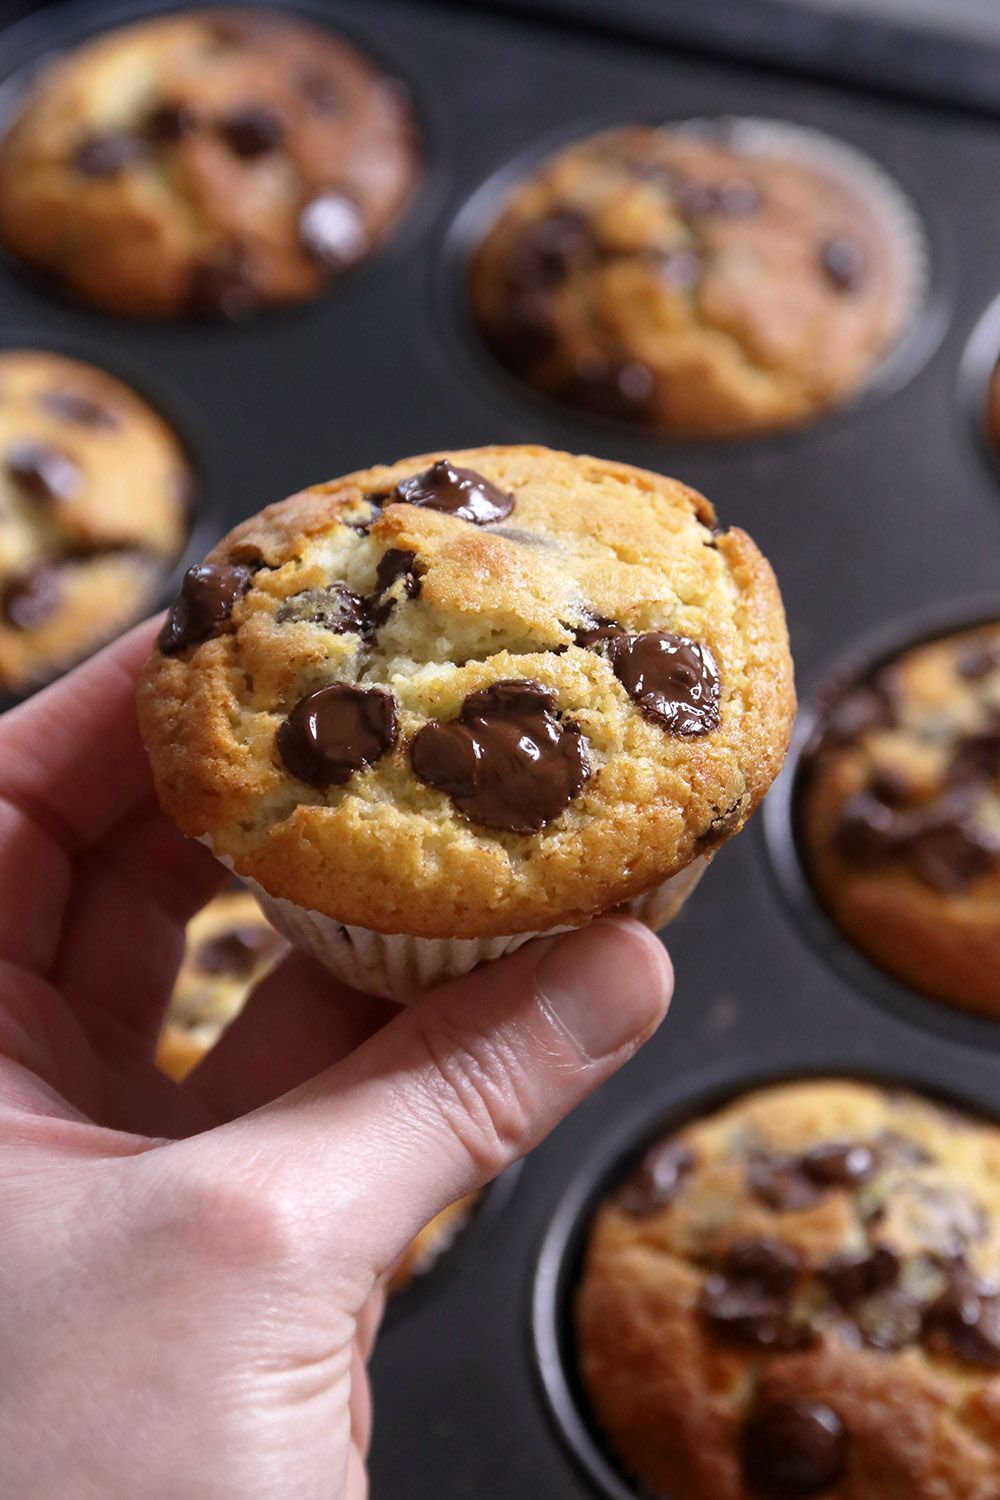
(705,282)
(435,708)
(207,163)
(900,817)
(800,1296)
(229,947)
(94,510)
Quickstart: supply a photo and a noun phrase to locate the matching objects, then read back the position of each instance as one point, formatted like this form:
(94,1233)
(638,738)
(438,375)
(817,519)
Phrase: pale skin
(192,1274)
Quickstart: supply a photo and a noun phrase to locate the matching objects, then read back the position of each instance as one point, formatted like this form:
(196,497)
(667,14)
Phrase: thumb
(459,1085)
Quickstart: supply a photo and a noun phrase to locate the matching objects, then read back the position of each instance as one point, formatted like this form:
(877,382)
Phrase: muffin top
(680,279)
(206,163)
(471,694)
(228,946)
(94,509)
(901,812)
(800,1295)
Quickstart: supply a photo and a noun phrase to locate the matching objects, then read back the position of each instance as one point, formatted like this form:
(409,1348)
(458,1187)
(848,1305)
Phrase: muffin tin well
(880,511)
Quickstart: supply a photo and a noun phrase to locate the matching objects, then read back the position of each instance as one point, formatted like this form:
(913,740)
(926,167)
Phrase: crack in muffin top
(472,694)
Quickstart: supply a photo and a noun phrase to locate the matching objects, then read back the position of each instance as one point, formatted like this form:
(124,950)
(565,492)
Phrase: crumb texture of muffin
(206,163)
(472,694)
(800,1296)
(95,507)
(900,817)
(679,279)
(229,946)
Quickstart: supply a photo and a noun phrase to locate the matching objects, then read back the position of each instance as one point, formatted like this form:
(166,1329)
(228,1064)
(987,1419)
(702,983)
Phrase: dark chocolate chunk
(610,388)
(964,1319)
(844,263)
(31,594)
(204,604)
(169,122)
(794,1448)
(74,406)
(977,659)
(108,153)
(335,607)
(950,850)
(545,252)
(770,1264)
(867,831)
(891,786)
(675,681)
(395,566)
(742,1313)
(43,473)
(850,1277)
(975,758)
(224,285)
(236,952)
(252,131)
(839,1164)
(336,731)
(458,492)
(601,636)
(781,1183)
(506,761)
(657,1180)
(333,231)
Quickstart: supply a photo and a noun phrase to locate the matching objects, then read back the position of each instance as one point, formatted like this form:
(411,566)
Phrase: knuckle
(481,1093)
(238,1219)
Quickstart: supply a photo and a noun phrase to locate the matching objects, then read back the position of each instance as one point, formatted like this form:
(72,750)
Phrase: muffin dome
(900,817)
(680,279)
(206,163)
(800,1296)
(94,511)
(471,694)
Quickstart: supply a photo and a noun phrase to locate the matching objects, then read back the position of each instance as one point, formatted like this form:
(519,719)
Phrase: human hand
(191,1275)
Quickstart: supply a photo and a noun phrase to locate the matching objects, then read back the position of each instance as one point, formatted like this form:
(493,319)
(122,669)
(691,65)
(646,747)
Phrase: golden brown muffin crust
(206,162)
(94,511)
(712,1258)
(901,817)
(683,281)
(586,539)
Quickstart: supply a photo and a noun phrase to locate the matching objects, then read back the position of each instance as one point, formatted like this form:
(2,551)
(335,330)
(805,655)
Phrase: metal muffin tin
(881,509)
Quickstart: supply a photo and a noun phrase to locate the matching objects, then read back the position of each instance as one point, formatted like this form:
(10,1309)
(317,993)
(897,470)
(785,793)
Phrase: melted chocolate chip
(108,153)
(844,263)
(335,607)
(546,251)
(964,1319)
(332,231)
(602,636)
(850,1278)
(252,131)
(891,786)
(657,1180)
(224,286)
(743,1313)
(780,1183)
(457,492)
(794,1448)
(611,388)
(73,406)
(975,758)
(866,831)
(944,843)
(769,1264)
(31,594)
(506,761)
(336,731)
(237,952)
(204,604)
(978,659)
(840,1165)
(41,472)
(168,122)
(952,850)
(395,566)
(674,680)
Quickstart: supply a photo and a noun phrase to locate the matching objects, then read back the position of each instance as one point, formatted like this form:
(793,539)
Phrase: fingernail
(606,987)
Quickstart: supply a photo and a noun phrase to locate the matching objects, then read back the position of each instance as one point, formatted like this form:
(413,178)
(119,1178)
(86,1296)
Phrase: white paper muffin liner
(398,966)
